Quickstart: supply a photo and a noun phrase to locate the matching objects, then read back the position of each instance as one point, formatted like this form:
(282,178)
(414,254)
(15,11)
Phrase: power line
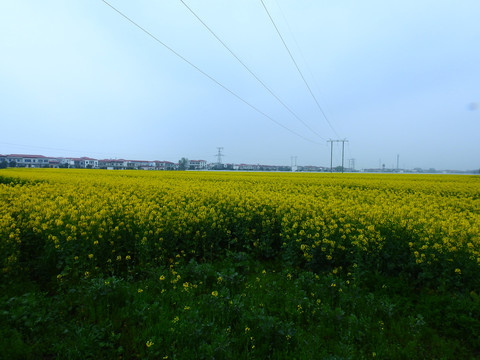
(298,69)
(312,76)
(249,70)
(205,74)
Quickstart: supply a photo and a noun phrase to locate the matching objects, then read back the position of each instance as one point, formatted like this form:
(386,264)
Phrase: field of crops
(190,264)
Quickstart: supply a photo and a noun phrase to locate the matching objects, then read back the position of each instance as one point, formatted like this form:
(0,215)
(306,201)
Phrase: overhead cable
(250,71)
(298,69)
(204,73)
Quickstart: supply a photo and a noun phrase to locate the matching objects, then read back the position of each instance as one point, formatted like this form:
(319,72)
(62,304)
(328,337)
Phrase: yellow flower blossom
(316,217)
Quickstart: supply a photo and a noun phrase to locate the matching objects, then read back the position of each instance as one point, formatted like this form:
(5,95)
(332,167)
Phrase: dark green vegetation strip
(237,308)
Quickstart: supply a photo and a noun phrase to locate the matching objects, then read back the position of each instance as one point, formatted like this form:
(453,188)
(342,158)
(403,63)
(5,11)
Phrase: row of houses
(40,161)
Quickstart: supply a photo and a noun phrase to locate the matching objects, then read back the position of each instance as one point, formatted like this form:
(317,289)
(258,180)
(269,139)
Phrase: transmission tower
(294,163)
(351,164)
(219,155)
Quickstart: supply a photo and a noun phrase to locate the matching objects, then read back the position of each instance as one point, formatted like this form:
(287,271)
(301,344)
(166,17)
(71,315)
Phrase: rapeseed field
(238,265)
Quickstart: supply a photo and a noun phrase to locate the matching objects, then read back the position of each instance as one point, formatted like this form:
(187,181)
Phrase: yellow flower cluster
(110,221)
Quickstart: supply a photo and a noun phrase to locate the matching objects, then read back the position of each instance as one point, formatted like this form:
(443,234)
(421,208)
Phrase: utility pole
(398,158)
(343,141)
(331,154)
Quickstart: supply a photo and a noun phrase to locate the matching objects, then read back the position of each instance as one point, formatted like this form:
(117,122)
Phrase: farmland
(181,265)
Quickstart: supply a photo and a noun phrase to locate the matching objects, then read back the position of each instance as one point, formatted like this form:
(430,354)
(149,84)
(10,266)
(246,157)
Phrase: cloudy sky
(392,77)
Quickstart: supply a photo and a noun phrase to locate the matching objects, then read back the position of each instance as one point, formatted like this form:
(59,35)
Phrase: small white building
(113,164)
(30,161)
(139,164)
(197,164)
(164,165)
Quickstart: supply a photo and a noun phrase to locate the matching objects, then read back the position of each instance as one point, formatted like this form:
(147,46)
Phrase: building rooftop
(28,156)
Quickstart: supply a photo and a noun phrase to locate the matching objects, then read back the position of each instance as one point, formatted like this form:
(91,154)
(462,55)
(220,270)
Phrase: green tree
(183,164)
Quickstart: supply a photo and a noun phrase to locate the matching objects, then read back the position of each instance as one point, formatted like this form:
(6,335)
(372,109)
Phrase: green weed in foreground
(239,308)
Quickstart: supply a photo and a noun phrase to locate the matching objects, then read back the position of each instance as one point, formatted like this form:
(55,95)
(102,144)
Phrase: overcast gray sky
(392,77)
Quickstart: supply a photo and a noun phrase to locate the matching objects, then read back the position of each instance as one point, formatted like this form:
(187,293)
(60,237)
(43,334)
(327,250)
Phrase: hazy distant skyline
(396,77)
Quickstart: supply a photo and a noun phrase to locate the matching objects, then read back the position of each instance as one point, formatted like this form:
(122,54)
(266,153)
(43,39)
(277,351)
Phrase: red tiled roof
(28,156)
(76,158)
